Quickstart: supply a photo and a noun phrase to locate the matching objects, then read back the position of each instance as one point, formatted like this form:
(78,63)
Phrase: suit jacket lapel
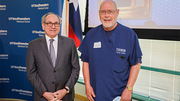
(44,47)
(60,46)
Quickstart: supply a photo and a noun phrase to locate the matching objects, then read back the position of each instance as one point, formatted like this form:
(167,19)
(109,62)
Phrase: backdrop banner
(20,22)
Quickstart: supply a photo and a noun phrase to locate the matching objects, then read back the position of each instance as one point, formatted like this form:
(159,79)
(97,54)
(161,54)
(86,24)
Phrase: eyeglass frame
(110,12)
(51,24)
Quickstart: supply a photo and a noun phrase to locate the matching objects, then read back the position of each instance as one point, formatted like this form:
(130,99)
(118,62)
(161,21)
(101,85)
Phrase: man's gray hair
(45,15)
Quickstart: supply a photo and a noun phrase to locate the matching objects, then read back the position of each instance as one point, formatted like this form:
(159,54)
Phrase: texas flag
(71,22)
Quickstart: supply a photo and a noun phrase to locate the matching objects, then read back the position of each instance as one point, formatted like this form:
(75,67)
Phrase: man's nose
(53,26)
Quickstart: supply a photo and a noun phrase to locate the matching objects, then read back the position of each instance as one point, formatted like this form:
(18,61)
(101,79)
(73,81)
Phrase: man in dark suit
(52,66)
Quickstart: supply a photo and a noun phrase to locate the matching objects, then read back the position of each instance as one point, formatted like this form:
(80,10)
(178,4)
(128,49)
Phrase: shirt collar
(55,38)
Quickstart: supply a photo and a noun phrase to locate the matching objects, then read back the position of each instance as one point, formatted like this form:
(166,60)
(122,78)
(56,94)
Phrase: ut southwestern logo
(4,56)
(3,32)
(120,51)
(2,7)
(40,6)
(20,20)
(19,68)
(22,92)
(20,44)
(40,33)
(4,80)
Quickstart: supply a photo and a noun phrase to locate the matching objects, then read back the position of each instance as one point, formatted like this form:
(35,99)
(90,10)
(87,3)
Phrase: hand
(126,95)
(60,94)
(90,93)
(49,96)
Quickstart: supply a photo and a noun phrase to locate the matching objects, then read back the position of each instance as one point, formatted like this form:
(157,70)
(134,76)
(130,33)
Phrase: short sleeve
(136,53)
(83,58)
(83,48)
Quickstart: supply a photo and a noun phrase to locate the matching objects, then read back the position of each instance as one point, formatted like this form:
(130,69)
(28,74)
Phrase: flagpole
(66,20)
(86,29)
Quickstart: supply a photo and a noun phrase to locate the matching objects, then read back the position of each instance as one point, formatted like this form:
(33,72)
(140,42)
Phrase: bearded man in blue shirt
(111,57)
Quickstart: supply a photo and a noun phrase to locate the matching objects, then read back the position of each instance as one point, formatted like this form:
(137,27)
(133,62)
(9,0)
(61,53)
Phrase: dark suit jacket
(41,73)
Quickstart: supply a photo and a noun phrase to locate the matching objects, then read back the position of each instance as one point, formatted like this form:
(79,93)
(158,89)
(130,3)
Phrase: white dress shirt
(55,44)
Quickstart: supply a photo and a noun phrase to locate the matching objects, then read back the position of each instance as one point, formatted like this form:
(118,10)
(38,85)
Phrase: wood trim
(8,99)
(81,98)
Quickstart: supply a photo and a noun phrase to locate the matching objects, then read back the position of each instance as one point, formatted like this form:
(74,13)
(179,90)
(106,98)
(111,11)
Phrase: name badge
(120,51)
(97,45)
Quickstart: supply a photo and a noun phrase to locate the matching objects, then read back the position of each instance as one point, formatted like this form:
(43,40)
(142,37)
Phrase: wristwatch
(67,89)
(129,88)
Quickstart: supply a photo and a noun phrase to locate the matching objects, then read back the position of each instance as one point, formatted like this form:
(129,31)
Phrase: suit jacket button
(54,70)
(52,82)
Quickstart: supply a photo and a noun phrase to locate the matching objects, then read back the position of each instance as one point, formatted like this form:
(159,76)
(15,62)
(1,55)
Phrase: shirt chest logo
(97,45)
(120,51)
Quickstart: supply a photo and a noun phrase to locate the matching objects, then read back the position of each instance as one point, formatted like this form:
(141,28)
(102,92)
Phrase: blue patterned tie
(52,52)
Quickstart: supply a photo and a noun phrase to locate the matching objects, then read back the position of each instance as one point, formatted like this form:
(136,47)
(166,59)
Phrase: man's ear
(117,12)
(43,26)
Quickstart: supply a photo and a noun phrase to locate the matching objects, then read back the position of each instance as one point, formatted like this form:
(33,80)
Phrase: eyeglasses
(49,24)
(110,12)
